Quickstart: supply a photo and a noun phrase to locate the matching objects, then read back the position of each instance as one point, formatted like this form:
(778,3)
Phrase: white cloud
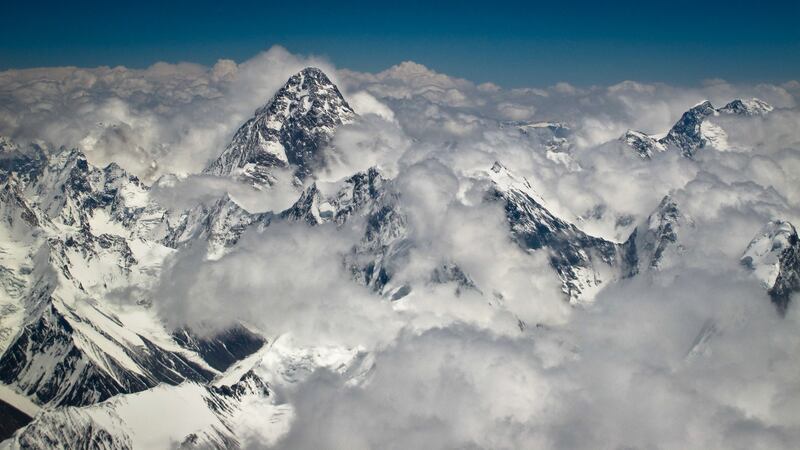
(364,103)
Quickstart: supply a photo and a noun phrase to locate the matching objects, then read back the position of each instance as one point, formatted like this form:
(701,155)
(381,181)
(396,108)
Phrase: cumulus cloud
(288,280)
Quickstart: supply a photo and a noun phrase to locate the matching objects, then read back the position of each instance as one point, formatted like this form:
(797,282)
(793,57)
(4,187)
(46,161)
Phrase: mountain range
(83,352)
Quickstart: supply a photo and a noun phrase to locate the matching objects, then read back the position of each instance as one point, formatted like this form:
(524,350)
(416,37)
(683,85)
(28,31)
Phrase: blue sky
(512,44)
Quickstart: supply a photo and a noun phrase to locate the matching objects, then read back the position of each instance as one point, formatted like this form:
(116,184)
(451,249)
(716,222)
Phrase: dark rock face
(11,419)
(451,273)
(71,349)
(576,257)
(369,197)
(73,378)
(249,384)
(223,349)
(24,164)
(788,281)
(16,209)
(686,134)
(581,261)
(288,132)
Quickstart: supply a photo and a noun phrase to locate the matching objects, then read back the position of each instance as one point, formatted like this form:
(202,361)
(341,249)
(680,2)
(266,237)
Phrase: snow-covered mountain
(694,131)
(646,146)
(583,262)
(656,242)
(289,132)
(749,107)
(189,415)
(774,258)
(80,247)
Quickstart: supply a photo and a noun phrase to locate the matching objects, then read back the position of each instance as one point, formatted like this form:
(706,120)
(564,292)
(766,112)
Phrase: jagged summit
(686,134)
(288,132)
(646,146)
(692,131)
(582,262)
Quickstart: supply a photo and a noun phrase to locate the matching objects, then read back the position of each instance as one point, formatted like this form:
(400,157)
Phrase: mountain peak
(657,240)
(774,258)
(686,134)
(311,82)
(750,107)
(705,104)
(290,131)
(312,71)
(644,145)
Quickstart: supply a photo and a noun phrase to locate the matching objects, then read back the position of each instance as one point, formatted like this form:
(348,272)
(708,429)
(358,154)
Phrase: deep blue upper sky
(509,43)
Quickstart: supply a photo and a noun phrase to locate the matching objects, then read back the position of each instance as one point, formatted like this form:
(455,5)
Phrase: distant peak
(749,107)
(644,144)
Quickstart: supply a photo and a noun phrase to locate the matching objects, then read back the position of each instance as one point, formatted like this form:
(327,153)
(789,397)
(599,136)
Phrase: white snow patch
(101,223)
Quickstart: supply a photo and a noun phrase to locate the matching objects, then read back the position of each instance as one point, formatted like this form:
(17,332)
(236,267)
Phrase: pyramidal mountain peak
(290,132)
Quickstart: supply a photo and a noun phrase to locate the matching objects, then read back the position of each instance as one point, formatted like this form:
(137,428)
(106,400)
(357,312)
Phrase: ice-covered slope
(189,415)
(289,132)
(774,258)
(74,237)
